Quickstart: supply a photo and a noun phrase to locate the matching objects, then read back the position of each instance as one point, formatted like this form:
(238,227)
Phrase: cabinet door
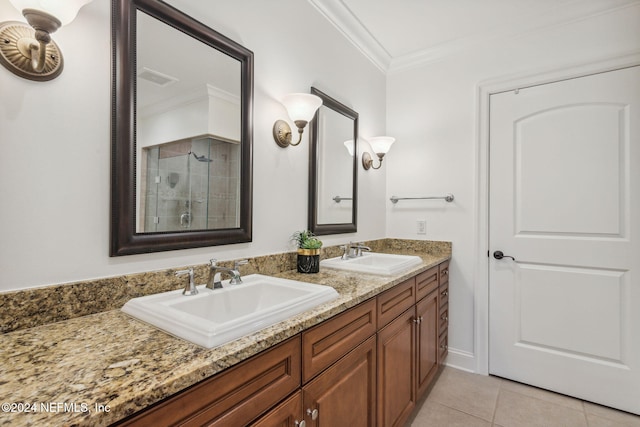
(286,414)
(396,378)
(345,394)
(427,341)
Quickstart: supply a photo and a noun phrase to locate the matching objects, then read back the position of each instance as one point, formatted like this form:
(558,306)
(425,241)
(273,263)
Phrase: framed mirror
(333,171)
(181,155)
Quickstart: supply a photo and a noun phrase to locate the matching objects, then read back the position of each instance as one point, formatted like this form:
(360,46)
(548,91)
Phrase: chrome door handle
(500,255)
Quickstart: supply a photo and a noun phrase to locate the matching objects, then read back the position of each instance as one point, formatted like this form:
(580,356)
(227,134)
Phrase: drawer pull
(313,414)
(444,346)
(445,272)
(445,293)
(418,320)
(300,423)
(444,318)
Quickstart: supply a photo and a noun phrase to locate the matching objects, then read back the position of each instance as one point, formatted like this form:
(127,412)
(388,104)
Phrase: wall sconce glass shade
(301,108)
(380,145)
(28,51)
(349,146)
(64,10)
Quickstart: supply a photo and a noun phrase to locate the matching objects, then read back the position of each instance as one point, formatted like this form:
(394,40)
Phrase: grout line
(495,406)
(584,412)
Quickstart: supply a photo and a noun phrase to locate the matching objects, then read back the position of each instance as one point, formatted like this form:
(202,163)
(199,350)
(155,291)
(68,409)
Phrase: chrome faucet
(353,250)
(190,288)
(236,267)
(214,269)
(361,247)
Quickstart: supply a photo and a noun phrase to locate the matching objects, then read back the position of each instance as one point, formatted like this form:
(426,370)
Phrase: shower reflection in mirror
(190,184)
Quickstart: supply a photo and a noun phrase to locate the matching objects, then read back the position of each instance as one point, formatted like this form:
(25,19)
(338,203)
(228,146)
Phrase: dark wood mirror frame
(124,238)
(314,138)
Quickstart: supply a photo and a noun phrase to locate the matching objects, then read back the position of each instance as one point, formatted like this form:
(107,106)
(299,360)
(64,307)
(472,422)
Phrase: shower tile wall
(209,201)
(224,185)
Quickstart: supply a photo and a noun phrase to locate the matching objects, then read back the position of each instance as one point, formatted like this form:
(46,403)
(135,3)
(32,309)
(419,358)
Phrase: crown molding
(564,15)
(338,14)
(342,18)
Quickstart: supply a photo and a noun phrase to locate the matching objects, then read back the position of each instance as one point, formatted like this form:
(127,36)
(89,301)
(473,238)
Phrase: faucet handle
(237,264)
(236,279)
(213,262)
(345,250)
(190,288)
(188,271)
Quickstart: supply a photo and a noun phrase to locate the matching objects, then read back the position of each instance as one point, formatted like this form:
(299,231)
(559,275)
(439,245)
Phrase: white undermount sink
(215,317)
(374,263)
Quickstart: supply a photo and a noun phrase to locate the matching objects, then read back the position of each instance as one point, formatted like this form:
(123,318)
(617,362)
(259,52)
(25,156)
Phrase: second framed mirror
(333,172)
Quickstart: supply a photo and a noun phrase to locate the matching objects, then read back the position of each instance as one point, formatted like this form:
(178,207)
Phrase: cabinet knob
(416,320)
(300,423)
(444,346)
(444,318)
(445,272)
(445,293)
(313,413)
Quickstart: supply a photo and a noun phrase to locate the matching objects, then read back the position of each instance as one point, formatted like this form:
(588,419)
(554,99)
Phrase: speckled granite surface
(71,369)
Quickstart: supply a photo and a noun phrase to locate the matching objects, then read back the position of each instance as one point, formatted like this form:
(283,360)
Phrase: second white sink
(214,317)
(374,263)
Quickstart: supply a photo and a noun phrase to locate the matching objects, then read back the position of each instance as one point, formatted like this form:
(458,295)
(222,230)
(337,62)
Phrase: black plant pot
(308,260)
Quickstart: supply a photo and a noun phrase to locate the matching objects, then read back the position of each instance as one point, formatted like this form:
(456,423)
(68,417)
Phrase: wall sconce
(28,51)
(301,108)
(350,146)
(380,146)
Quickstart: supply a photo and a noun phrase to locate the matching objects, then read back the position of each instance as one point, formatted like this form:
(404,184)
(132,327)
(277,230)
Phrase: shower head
(201,158)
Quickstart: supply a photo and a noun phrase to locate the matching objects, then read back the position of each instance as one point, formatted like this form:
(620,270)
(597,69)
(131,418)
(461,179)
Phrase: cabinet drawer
(395,301)
(443,348)
(324,344)
(234,397)
(443,320)
(444,294)
(444,272)
(426,282)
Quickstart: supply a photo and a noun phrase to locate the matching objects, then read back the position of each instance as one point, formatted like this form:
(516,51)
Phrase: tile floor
(462,399)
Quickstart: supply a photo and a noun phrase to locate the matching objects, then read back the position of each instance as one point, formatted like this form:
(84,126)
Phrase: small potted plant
(308,251)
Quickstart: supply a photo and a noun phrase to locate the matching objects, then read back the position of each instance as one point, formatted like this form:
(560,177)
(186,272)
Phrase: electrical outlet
(421,226)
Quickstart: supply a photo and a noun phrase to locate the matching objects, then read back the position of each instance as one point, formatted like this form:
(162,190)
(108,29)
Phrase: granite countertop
(97,369)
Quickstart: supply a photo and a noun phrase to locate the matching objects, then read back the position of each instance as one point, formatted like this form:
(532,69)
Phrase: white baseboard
(462,360)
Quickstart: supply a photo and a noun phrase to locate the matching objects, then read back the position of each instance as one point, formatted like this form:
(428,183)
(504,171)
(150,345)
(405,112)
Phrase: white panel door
(565,203)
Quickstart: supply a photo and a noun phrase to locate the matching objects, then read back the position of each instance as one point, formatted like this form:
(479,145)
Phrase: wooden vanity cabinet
(409,345)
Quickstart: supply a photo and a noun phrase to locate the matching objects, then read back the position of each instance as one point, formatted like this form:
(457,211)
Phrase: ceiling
(397,34)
